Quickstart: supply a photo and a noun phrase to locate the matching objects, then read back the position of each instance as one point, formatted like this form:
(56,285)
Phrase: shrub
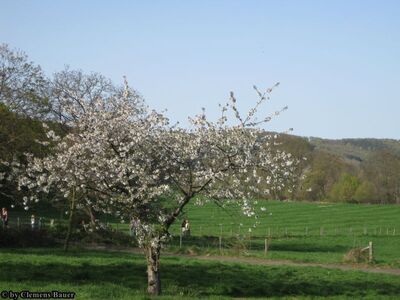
(356,255)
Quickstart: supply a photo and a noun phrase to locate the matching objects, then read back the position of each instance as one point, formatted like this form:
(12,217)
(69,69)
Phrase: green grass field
(307,232)
(112,275)
(311,232)
(296,218)
(279,219)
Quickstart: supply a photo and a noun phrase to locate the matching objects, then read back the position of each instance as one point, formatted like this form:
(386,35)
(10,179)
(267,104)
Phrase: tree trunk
(71,219)
(153,270)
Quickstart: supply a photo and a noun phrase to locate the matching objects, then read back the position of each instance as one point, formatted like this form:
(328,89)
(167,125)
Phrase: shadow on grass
(74,252)
(197,278)
(304,247)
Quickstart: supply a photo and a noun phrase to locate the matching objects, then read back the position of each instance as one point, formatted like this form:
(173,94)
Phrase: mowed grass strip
(112,275)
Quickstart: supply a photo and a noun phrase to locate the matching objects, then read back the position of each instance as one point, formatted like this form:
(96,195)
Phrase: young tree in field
(139,165)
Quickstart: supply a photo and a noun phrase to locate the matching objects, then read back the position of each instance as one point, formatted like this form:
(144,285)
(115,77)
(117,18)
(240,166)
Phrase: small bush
(356,255)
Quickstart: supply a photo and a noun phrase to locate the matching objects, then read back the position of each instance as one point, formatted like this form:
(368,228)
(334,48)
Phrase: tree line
(329,176)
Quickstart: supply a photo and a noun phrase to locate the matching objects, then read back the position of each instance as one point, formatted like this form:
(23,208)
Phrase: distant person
(33,221)
(4,217)
(84,226)
(185,227)
(133,226)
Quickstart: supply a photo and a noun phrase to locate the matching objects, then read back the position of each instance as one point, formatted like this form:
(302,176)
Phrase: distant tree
(72,91)
(18,135)
(345,188)
(301,150)
(324,171)
(23,86)
(366,193)
(383,170)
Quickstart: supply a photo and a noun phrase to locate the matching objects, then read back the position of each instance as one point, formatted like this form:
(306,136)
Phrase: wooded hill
(357,150)
(345,170)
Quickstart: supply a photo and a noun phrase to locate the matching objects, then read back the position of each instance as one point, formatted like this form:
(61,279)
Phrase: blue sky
(338,61)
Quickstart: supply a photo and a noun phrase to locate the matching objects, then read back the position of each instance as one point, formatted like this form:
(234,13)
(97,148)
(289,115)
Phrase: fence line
(228,230)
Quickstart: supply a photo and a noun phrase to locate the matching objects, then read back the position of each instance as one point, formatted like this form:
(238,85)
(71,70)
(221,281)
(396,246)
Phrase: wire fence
(227,230)
(230,239)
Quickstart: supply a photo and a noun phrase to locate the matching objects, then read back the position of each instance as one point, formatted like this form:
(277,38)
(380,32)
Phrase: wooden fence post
(265,246)
(220,239)
(249,240)
(370,252)
(180,240)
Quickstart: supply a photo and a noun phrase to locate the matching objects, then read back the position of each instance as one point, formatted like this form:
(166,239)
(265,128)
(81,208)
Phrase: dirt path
(257,261)
(269,262)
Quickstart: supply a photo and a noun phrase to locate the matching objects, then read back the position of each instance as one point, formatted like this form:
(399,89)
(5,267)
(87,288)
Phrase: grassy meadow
(311,232)
(295,218)
(298,231)
(118,275)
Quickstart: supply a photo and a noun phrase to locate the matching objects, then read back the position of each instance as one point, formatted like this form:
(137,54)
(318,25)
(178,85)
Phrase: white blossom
(134,163)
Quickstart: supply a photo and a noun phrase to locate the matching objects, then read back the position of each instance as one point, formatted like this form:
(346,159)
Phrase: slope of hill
(355,149)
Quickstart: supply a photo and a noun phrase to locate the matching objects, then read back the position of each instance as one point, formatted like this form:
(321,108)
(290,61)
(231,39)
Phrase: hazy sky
(338,61)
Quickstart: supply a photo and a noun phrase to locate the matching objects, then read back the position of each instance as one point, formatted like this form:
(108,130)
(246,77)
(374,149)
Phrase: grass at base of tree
(111,275)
